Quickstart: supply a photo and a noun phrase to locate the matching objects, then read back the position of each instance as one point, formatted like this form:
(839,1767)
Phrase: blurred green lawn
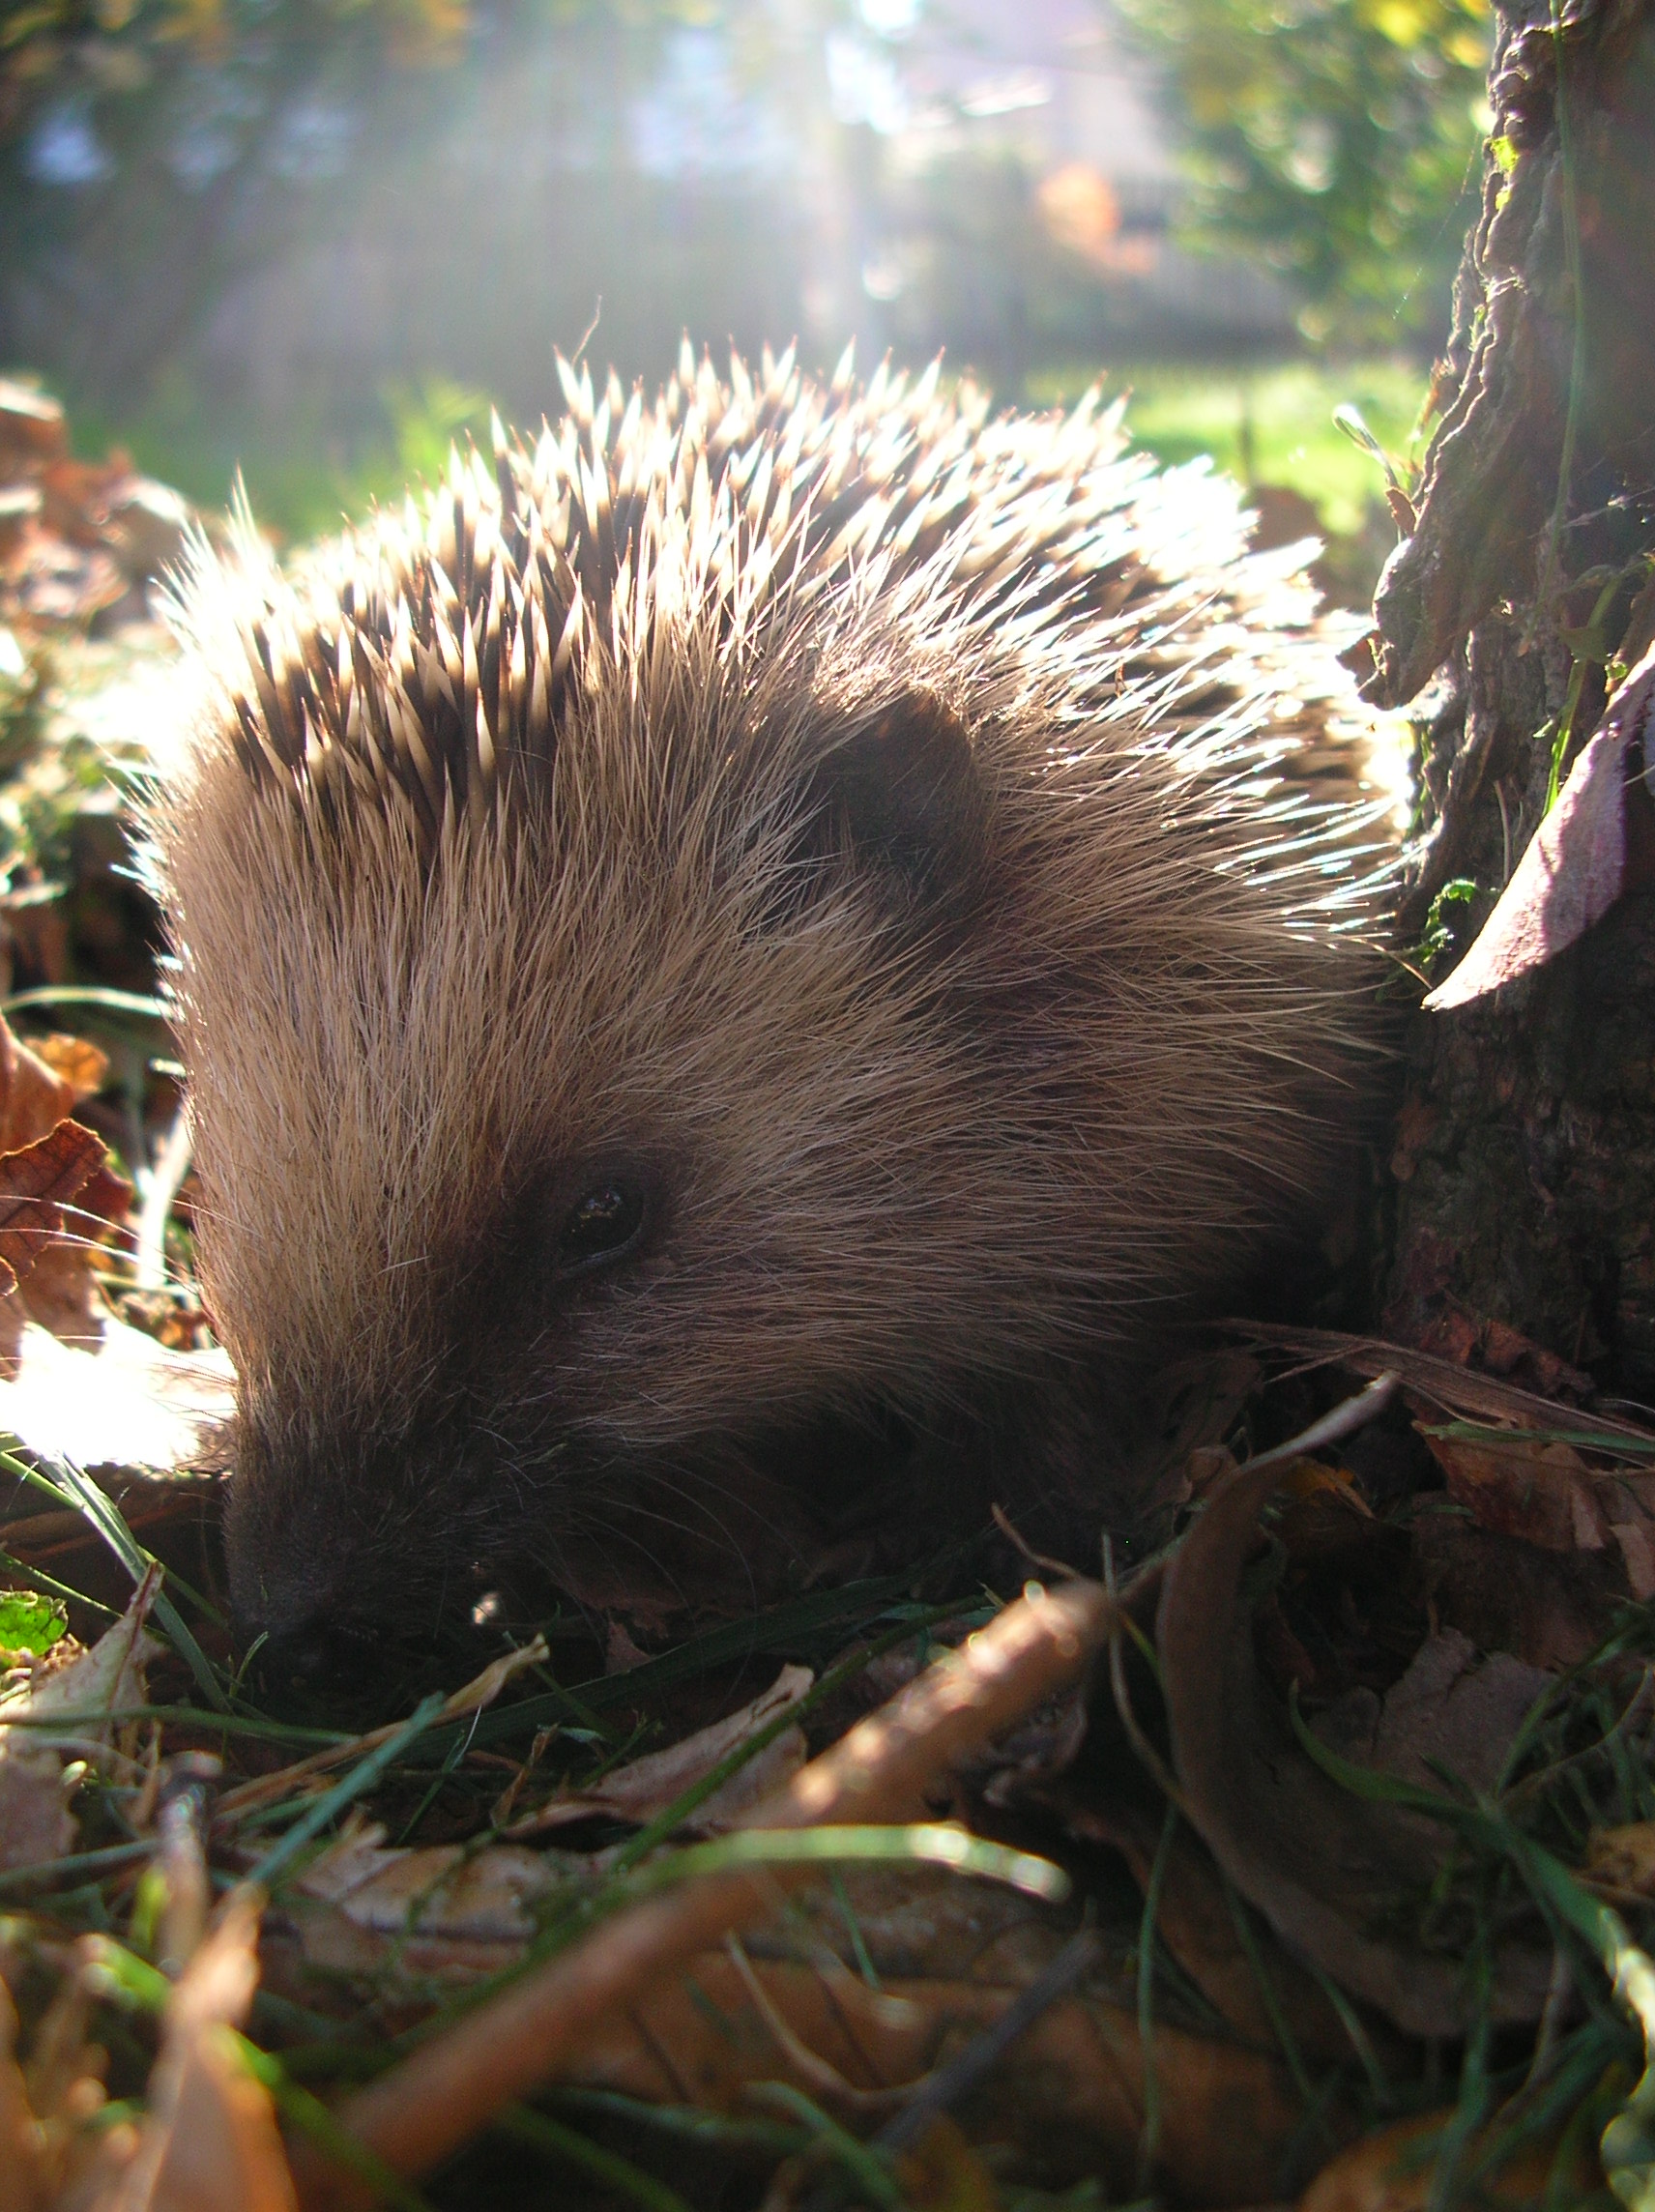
(1265,424)
(1271,422)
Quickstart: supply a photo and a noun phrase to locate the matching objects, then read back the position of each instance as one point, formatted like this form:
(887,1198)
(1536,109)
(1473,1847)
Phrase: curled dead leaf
(1575,865)
(34,1096)
(61,1699)
(37,1184)
(1200,1925)
(75,1060)
(646,1787)
(1327,1870)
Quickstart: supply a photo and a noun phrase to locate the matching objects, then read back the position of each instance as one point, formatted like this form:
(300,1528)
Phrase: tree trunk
(1524,1160)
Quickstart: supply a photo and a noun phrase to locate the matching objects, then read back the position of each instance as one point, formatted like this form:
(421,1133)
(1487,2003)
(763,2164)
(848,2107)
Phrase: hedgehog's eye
(607,1222)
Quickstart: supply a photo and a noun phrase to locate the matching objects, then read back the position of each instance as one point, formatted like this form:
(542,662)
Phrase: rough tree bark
(1524,1161)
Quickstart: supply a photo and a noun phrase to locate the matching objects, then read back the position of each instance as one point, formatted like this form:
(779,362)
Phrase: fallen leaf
(1637,1545)
(888,1768)
(36,1183)
(223,2151)
(1198,1925)
(1574,868)
(1548,1607)
(1328,1871)
(1396,2172)
(75,1060)
(648,1785)
(1453,1711)
(36,1824)
(209,2142)
(1068,2096)
(1521,1487)
(459,1904)
(34,1096)
(58,1199)
(1623,1859)
(1467,1393)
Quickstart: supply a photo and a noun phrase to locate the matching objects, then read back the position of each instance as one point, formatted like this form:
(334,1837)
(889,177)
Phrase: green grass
(305,471)
(1265,423)
(1269,423)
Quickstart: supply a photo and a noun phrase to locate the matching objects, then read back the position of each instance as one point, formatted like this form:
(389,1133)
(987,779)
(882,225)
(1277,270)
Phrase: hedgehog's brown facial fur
(819,836)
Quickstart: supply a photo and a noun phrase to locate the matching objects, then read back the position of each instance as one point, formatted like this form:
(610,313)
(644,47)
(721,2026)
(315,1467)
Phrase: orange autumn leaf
(36,1185)
(33,1097)
(1396,2172)
(76,1061)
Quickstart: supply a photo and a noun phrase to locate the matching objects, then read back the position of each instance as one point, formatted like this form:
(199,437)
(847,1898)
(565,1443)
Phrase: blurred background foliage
(1338,141)
(315,238)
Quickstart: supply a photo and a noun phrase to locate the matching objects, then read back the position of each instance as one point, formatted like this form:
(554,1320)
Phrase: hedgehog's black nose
(315,1658)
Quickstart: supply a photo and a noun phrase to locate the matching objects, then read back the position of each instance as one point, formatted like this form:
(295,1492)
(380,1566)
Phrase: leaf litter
(1308,1859)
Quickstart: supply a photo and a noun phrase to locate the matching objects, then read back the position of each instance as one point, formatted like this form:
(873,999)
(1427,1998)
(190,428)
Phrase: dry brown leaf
(1574,867)
(1540,1492)
(223,2152)
(75,1060)
(209,2141)
(34,1098)
(35,1821)
(37,1183)
(1546,1494)
(1194,1920)
(1452,1711)
(1068,2095)
(58,1195)
(36,1824)
(1324,1868)
(482,1690)
(468,1912)
(646,1787)
(1394,2171)
(1551,1609)
(1623,1859)
(1636,1538)
(1466,1394)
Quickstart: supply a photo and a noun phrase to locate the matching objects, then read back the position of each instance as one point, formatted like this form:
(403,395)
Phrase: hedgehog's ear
(902,787)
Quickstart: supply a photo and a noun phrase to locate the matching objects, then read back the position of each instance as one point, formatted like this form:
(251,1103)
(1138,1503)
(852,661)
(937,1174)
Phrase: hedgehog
(738,963)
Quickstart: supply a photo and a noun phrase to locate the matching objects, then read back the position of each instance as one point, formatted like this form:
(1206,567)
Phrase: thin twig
(948,2084)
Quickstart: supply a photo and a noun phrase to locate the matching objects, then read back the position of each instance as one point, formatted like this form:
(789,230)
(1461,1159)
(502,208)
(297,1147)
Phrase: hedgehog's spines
(449,643)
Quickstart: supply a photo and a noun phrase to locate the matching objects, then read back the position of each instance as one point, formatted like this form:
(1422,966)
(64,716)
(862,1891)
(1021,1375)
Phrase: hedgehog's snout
(335,1558)
(291,1565)
(313,1657)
